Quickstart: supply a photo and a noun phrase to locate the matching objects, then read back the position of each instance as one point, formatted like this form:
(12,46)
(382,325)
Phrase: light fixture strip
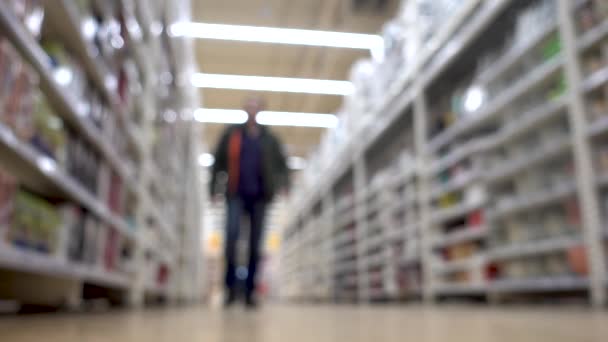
(270,118)
(274,84)
(276,35)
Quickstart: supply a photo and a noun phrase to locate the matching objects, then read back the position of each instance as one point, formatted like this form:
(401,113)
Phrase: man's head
(253,105)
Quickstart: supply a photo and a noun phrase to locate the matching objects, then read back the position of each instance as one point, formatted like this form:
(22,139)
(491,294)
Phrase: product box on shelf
(18,82)
(35,224)
(49,134)
(71,243)
(82,162)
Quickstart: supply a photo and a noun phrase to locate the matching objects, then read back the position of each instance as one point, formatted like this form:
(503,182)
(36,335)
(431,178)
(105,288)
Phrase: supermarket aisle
(315,323)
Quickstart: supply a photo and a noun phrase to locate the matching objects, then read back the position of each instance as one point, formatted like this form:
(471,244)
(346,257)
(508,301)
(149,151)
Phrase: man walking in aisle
(254,161)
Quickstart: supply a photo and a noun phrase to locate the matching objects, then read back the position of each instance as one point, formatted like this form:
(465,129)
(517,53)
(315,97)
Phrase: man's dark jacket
(227,159)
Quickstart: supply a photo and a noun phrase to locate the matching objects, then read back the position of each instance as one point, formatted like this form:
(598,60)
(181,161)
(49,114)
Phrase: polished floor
(282,323)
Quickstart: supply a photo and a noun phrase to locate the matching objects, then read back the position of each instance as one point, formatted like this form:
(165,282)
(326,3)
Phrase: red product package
(573,213)
(116,195)
(475,219)
(111,250)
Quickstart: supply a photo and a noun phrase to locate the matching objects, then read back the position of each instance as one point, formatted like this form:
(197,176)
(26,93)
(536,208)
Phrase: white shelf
(375,260)
(442,215)
(461,289)
(373,242)
(593,36)
(534,248)
(346,253)
(529,121)
(496,105)
(456,183)
(459,154)
(346,220)
(407,261)
(600,126)
(157,290)
(406,232)
(44,172)
(475,261)
(515,115)
(346,266)
(32,262)
(475,23)
(345,238)
(64,16)
(511,168)
(532,201)
(162,224)
(64,103)
(596,80)
(512,57)
(542,284)
(462,235)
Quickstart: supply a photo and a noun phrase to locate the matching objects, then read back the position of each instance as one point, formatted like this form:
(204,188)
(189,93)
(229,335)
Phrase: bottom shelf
(37,263)
(461,289)
(541,284)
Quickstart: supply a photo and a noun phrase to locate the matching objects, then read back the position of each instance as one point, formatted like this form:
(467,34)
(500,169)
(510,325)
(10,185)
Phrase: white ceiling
(257,59)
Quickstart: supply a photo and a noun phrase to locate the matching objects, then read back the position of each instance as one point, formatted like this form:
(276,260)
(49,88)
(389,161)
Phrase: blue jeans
(255,210)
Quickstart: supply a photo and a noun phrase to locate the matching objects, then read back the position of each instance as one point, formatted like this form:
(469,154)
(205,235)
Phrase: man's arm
(220,164)
(281,165)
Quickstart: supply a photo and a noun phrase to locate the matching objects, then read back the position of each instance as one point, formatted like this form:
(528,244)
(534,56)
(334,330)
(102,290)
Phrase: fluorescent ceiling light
(229,116)
(297,119)
(206,159)
(279,84)
(296,163)
(236,116)
(276,35)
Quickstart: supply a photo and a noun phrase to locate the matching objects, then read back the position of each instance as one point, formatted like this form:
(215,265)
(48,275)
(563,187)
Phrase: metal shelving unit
(42,174)
(474,179)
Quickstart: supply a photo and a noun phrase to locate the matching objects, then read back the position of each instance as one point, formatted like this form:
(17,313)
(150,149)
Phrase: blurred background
(438,151)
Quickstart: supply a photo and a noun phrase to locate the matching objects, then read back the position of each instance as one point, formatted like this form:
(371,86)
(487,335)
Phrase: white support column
(360,191)
(585,177)
(422,160)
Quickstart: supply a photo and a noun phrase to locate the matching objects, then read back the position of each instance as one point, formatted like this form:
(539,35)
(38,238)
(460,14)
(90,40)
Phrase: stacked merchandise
(525,155)
(374,254)
(64,231)
(70,73)
(535,216)
(379,78)
(112,30)
(504,214)
(29,116)
(165,153)
(458,195)
(318,249)
(404,244)
(80,80)
(49,120)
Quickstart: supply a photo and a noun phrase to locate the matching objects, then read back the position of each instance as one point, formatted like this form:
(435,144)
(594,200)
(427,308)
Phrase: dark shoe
(230,299)
(251,303)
